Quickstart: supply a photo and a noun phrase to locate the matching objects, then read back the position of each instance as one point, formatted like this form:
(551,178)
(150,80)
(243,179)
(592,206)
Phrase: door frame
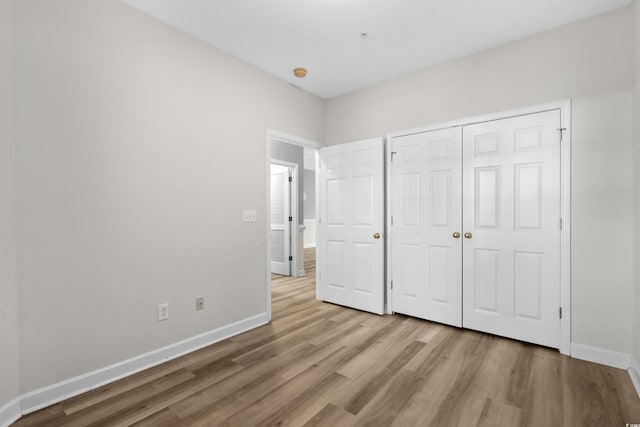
(272,136)
(293,210)
(564,107)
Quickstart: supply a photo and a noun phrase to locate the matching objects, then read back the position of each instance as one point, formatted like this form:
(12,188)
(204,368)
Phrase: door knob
(376,236)
(456,235)
(468,235)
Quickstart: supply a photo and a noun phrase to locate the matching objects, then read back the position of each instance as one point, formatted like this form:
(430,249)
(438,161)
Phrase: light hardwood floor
(318,364)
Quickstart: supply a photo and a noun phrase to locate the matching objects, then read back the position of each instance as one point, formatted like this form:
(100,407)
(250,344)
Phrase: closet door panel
(426,209)
(511,221)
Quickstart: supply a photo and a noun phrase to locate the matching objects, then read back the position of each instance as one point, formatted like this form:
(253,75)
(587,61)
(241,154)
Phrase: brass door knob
(468,235)
(376,236)
(456,235)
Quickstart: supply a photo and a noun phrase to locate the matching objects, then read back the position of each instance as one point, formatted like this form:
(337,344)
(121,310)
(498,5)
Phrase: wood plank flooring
(319,364)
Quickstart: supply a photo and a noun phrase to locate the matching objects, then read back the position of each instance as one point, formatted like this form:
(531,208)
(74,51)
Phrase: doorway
(299,156)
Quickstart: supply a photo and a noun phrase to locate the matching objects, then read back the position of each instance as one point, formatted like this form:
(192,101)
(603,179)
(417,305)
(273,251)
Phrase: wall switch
(163,311)
(249,215)
(199,303)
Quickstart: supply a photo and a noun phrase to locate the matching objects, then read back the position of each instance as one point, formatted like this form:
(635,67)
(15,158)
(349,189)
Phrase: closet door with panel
(476,226)
(427,219)
(511,227)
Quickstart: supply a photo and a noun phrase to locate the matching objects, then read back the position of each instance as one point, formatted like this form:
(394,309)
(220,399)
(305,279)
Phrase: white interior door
(280,224)
(511,226)
(426,205)
(351,225)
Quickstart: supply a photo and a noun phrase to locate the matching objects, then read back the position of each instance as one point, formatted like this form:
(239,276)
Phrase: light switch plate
(163,311)
(249,215)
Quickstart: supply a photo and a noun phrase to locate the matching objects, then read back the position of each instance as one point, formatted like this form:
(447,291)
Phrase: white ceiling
(324,35)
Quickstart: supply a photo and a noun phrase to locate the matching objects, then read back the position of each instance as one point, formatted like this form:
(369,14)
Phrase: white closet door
(426,204)
(511,226)
(280,224)
(351,225)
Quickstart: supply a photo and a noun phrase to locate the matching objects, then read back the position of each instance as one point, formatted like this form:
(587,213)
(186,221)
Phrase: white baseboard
(634,373)
(601,356)
(10,413)
(55,393)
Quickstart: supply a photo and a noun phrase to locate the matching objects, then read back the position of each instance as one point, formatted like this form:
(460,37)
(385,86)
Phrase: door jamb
(564,107)
(271,136)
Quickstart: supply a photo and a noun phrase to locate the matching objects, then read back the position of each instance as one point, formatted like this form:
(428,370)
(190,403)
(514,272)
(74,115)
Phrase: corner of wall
(635,356)
(9,307)
(634,373)
(10,413)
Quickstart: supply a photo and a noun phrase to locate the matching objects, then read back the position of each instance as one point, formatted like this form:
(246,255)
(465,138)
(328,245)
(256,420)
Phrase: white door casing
(351,225)
(511,198)
(280,224)
(426,203)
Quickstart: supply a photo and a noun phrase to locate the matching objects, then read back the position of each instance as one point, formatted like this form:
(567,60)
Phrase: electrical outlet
(163,311)
(199,303)
(249,215)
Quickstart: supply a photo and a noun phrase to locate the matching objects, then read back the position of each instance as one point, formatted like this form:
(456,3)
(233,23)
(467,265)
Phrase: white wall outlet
(163,311)
(199,303)
(249,215)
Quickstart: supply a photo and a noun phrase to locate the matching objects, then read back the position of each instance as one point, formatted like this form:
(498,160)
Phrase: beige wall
(9,361)
(139,147)
(589,62)
(636,164)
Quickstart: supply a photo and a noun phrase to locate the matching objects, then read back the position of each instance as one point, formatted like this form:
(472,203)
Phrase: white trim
(10,413)
(267,213)
(565,177)
(556,105)
(274,135)
(317,216)
(601,356)
(389,234)
(565,233)
(58,392)
(634,373)
(300,250)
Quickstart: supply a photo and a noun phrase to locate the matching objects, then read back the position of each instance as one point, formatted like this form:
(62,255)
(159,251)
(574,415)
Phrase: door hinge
(560,223)
(561,132)
(290,219)
(391,220)
(290,179)
(392,154)
(290,258)
(392,285)
(560,312)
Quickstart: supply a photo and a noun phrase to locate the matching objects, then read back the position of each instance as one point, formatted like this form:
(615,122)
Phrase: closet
(475,226)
